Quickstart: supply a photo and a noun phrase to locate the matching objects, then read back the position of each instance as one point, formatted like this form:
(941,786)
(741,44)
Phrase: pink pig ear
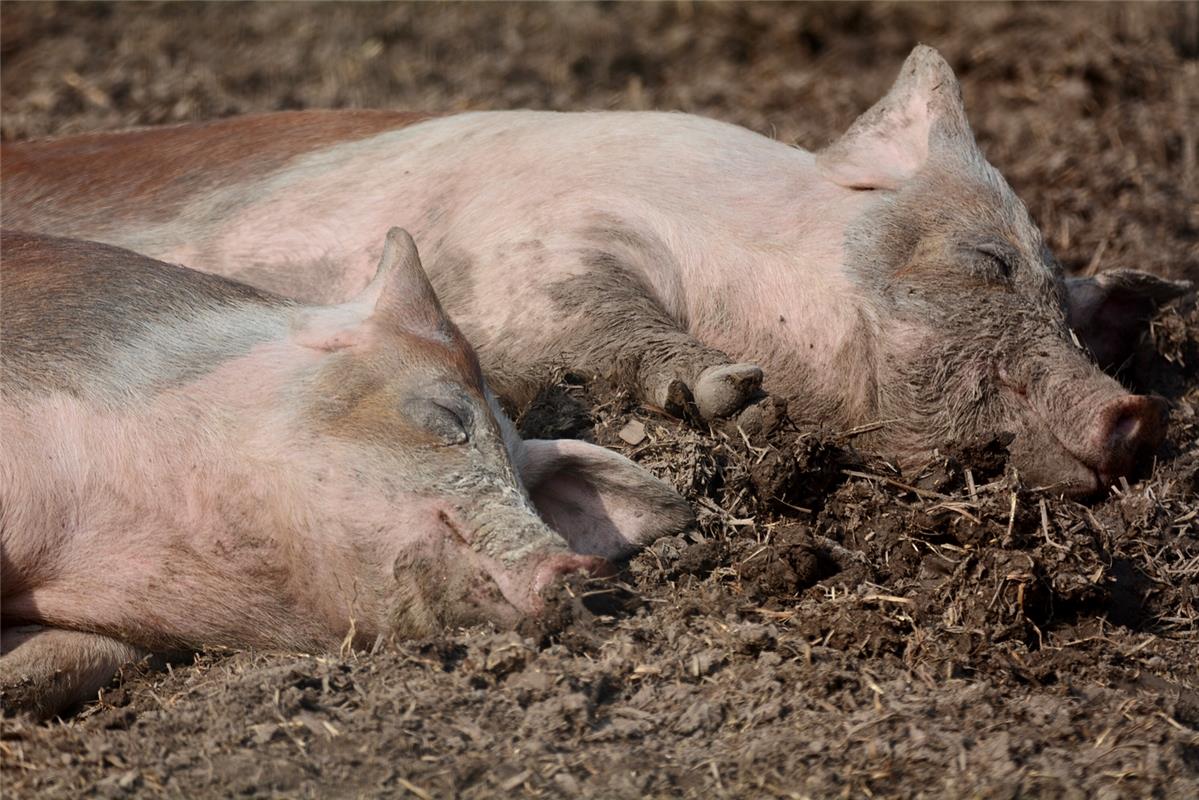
(398,297)
(600,502)
(400,293)
(890,143)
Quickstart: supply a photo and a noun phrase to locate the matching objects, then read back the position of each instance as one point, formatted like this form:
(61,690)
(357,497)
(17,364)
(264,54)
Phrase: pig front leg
(668,379)
(617,327)
(44,671)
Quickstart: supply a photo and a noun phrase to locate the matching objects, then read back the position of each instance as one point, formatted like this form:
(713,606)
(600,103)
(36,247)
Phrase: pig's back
(72,309)
(79,184)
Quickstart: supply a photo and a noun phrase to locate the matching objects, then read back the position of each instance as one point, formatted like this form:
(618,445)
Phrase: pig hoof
(727,388)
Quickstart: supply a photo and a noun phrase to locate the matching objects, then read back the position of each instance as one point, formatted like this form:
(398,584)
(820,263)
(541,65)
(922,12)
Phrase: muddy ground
(834,628)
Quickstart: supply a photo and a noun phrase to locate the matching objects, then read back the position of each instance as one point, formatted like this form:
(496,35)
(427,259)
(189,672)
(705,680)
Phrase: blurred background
(1090,110)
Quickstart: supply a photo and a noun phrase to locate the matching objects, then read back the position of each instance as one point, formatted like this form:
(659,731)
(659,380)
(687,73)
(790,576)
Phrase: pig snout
(486,544)
(1126,430)
(550,570)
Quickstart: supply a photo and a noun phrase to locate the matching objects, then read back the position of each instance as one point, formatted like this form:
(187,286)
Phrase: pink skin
(320,471)
(746,243)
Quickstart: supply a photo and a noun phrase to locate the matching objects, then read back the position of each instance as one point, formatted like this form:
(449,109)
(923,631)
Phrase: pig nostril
(1126,428)
(1135,425)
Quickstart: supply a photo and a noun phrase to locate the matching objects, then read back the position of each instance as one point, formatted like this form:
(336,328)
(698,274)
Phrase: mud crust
(835,628)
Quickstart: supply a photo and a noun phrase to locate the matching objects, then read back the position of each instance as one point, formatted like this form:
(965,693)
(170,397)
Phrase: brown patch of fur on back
(66,300)
(151,172)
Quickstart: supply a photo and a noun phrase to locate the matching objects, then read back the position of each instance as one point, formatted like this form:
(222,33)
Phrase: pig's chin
(1049,465)
(441,586)
(1044,458)
(429,604)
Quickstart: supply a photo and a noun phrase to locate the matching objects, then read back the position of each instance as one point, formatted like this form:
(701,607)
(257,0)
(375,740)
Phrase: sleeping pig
(189,461)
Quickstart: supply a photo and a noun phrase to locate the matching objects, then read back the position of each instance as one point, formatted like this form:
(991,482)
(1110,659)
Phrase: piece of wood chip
(633,433)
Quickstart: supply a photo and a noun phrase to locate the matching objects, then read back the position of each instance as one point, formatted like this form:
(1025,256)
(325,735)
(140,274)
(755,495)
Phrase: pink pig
(189,461)
(892,280)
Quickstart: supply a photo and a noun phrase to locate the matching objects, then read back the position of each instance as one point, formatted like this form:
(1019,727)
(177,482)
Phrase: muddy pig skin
(188,461)
(892,278)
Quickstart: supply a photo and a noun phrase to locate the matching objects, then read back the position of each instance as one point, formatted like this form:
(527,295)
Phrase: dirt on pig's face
(463,543)
(969,314)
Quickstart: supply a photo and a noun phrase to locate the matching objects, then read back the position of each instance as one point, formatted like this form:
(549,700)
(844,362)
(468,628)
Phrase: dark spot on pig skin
(642,254)
(617,328)
(68,305)
(453,278)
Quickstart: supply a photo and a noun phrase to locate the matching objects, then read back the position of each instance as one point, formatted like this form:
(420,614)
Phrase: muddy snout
(504,561)
(1127,430)
(551,570)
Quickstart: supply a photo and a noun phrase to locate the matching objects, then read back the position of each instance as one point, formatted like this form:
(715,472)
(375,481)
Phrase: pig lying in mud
(189,461)
(891,278)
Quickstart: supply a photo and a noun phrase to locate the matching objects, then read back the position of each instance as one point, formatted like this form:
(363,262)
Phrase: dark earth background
(940,633)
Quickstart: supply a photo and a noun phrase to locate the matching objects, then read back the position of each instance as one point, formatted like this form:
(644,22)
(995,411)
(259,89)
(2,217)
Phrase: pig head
(417,410)
(967,323)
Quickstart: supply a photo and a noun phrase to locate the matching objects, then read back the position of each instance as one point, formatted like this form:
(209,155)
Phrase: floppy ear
(399,296)
(889,143)
(599,501)
(1110,311)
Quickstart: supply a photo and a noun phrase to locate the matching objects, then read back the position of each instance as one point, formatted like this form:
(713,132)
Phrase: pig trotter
(45,671)
(724,389)
(717,391)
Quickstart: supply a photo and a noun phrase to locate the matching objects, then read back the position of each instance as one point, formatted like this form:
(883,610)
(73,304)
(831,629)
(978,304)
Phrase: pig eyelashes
(448,420)
(997,259)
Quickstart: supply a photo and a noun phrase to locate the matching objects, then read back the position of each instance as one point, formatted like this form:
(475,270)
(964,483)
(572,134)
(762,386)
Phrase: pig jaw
(1076,430)
(489,565)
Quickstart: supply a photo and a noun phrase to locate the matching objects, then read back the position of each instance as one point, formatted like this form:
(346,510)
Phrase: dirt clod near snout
(834,627)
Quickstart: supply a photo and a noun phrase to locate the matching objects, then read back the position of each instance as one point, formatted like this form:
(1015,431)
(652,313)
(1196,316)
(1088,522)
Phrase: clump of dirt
(834,626)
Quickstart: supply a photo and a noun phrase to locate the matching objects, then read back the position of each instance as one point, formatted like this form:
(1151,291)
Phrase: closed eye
(446,420)
(997,258)
(454,423)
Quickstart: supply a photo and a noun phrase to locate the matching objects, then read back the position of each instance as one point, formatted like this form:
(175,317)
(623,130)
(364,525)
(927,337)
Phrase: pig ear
(889,144)
(399,296)
(400,293)
(599,501)
(1110,311)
